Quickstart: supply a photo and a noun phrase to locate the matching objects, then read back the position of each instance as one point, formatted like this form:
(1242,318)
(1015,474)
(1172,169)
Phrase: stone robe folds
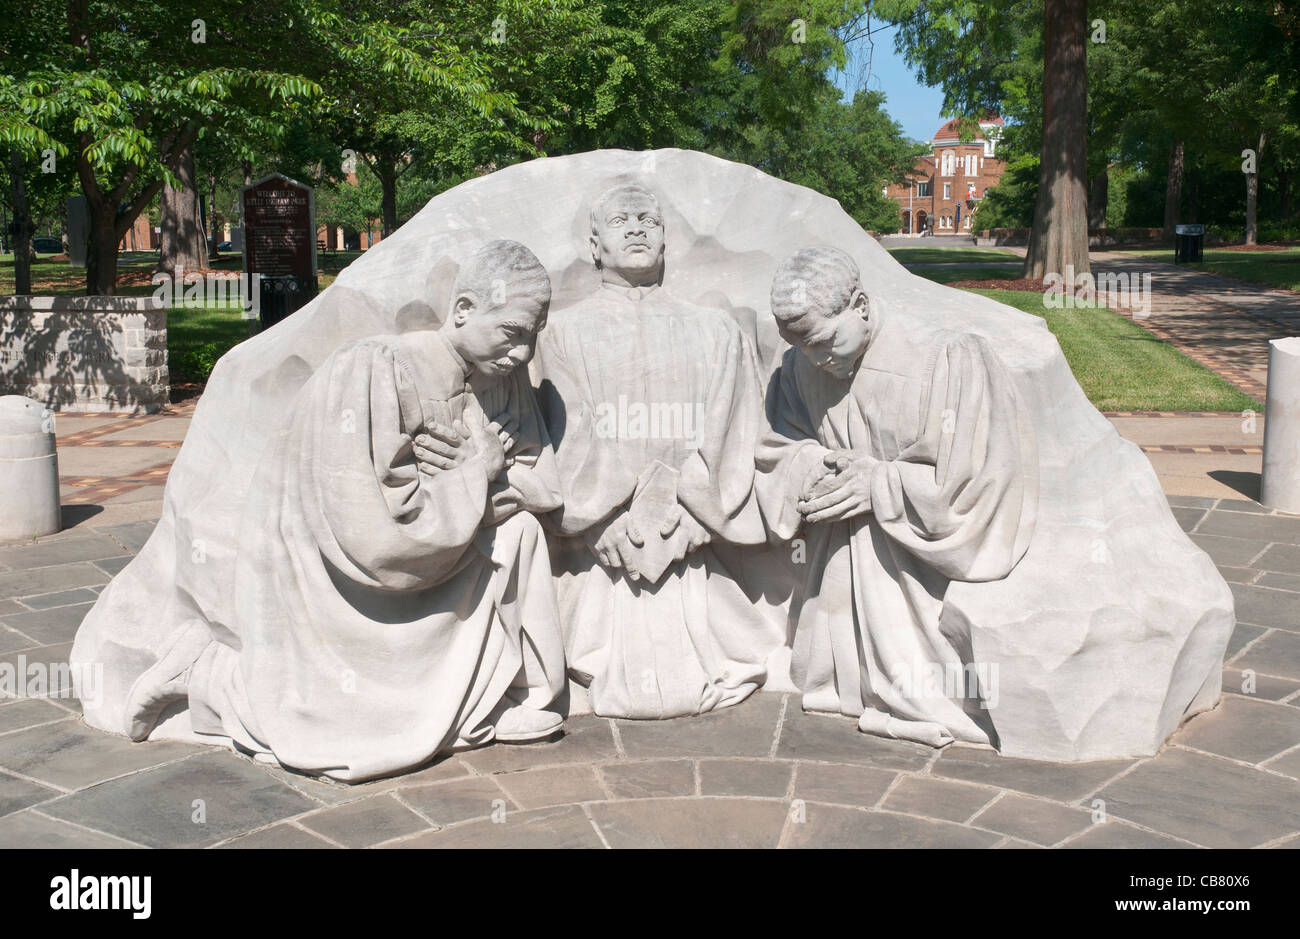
(629,379)
(383,615)
(954,498)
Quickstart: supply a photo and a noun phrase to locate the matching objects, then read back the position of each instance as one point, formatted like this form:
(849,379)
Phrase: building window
(946,163)
(970,164)
(947,190)
(923,190)
(967,223)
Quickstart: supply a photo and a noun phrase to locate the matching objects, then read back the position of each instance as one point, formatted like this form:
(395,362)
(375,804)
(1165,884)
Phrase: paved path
(112,467)
(759,774)
(1223,324)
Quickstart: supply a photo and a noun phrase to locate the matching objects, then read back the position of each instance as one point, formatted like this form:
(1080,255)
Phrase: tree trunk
(101,256)
(1174,188)
(1284,193)
(1098,199)
(21,229)
(388,180)
(1252,197)
(1059,239)
(212,215)
(182,244)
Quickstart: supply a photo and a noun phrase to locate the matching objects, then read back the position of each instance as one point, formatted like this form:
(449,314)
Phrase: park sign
(279,216)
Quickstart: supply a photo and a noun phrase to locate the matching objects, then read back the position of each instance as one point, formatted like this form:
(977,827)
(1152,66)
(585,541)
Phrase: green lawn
(61,279)
(1270,268)
(198,336)
(950,255)
(946,275)
(1122,367)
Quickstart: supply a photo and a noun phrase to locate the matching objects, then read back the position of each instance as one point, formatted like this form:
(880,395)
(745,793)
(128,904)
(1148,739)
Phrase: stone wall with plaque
(85,353)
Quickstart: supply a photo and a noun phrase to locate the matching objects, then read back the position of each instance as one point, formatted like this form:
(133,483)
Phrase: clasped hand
(442,447)
(616,544)
(837,490)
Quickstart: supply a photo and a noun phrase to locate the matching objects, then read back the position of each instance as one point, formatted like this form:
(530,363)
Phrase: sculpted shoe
(521,724)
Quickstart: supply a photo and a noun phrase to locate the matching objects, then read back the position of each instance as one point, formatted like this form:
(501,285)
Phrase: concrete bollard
(1280,488)
(29,470)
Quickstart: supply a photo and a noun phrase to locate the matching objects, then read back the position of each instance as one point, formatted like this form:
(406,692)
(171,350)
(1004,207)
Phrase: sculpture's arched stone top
(728,227)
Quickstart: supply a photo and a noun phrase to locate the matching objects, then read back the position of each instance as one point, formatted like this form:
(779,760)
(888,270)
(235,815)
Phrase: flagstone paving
(762,774)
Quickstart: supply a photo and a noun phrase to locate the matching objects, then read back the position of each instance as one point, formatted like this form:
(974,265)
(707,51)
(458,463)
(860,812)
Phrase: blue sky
(908,102)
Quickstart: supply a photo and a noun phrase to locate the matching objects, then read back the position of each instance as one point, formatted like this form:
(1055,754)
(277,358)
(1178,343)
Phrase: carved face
(628,237)
(496,340)
(834,343)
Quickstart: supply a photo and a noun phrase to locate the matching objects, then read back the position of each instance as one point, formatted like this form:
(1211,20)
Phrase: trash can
(1188,242)
(29,470)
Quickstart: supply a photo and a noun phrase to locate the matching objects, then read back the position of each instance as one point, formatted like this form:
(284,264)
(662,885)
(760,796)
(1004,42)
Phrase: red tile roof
(949,130)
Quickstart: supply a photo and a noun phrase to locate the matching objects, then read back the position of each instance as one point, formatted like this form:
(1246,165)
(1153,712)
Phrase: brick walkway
(110,459)
(1223,324)
(760,774)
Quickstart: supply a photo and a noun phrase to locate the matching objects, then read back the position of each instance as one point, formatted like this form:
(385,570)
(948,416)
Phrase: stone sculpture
(392,594)
(1105,624)
(654,407)
(900,446)
(896,443)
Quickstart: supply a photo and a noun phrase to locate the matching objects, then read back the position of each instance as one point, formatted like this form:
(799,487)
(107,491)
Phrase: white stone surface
(972,574)
(391,595)
(1108,632)
(29,470)
(1280,487)
(654,407)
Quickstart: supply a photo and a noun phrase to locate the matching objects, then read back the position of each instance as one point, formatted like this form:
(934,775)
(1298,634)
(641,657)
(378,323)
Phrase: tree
(24,138)
(1008,56)
(134,86)
(131,88)
(350,206)
(1059,238)
(457,64)
(183,244)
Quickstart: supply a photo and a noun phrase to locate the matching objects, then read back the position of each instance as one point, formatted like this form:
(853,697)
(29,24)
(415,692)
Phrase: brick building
(945,187)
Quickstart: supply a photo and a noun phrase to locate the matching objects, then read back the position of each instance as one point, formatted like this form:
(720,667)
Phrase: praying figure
(392,595)
(897,454)
(654,406)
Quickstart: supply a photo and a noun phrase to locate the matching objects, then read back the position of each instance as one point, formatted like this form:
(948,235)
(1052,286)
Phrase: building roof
(949,133)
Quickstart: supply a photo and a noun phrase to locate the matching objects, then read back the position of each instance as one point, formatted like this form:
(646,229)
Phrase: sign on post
(279,216)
